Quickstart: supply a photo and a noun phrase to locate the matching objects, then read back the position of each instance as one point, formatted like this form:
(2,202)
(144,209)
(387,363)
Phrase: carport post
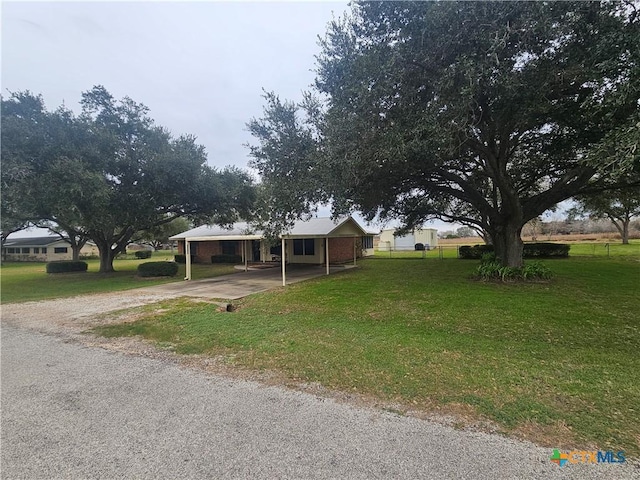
(326,253)
(354,251)
(282,259)
(187,255)
(244,249)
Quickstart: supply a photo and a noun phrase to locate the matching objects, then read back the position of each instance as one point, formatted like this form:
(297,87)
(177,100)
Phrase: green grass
(554,362)
(27,281)
(597,249)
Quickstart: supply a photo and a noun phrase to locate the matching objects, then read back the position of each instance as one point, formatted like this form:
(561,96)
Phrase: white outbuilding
(390,241)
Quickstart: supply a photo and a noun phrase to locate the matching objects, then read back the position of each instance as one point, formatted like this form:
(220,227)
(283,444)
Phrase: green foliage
(530,250)
(619,205)
(491,269)
(474,252)
(182,258)
(226,258)
(475,112)
(159,235)
(158,269)
(64,266)
(143,254)
(111,172)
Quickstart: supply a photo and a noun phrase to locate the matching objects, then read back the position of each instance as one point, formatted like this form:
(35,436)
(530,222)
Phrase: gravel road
(75,411)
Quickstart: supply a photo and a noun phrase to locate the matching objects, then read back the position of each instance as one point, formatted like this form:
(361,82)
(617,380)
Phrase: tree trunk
(625,232)
(75,252)
(107,254)
(507,244)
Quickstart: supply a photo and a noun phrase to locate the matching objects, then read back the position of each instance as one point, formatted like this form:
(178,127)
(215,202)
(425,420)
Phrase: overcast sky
(199,66)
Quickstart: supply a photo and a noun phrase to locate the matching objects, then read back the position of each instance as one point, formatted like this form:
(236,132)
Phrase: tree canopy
(482,113)
(110,171)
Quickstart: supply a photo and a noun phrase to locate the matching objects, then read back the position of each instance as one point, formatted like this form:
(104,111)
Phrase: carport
(317,241)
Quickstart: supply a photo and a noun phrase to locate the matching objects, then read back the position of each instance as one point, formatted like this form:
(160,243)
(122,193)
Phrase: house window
(36,250)
(60,250)
(304,246)
(11,250)
(367,242)
(25,249)
(228,247)
(44,249)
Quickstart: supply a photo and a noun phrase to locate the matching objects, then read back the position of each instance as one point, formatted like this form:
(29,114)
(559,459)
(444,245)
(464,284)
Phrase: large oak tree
(111,172)
(483,113)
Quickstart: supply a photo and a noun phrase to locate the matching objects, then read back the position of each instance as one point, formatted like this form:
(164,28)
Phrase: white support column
(187,255)
(283,259)
(246,256)
(354,251)
(326,253)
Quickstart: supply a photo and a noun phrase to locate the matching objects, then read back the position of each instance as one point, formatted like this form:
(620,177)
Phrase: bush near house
(226,258)
(64,266)
(530,250)
(158,269)
(143,254)
(182,258)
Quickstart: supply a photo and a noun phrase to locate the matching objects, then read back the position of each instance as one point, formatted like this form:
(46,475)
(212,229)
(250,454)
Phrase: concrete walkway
(241,284)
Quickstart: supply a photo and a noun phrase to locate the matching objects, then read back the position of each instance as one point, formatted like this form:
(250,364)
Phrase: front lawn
(555,362)
(26,281)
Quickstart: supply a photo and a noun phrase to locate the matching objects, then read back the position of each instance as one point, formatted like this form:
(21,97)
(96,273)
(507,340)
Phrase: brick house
(317,241)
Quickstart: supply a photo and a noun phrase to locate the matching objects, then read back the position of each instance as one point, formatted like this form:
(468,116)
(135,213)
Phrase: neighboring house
(319,241)
(388,241)
(42,249)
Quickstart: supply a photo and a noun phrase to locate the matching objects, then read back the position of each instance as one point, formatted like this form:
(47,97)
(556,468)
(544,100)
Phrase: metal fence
(578,249)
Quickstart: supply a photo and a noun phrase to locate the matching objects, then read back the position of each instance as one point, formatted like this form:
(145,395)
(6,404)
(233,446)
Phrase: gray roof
(32,241)
(317,226)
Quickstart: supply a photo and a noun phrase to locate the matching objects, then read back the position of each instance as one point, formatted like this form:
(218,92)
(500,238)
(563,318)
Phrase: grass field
(22,281)
(554,362)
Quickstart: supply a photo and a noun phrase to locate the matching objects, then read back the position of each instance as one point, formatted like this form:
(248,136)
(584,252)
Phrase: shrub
(536,271)
(158,269)
(63,266)
(546,250)
(182,258)
(419,246)
(530,250)
(491,269)
(475,252)
(226,258)
(143,254)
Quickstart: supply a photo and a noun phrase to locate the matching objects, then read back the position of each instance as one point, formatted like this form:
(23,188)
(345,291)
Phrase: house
(389,241)
(317,241)
(42,249)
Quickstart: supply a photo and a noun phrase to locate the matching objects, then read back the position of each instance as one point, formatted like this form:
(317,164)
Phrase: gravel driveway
(75,411)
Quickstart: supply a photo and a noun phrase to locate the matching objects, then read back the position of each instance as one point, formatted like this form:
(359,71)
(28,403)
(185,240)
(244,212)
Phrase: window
(25,249)
(367,242)
(60,250)
(11,250)
(44,249)
(36,250)
(304,246)
(228,247)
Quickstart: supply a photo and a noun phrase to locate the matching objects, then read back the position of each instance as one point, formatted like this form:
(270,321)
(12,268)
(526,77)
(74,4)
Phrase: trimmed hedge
(475,252)
(158,269)
(64,266)
(182,258)
(530,250)
(143,254)
(226,258)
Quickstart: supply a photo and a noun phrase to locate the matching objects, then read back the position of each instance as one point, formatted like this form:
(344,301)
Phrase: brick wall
(341,250)
(204,250)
